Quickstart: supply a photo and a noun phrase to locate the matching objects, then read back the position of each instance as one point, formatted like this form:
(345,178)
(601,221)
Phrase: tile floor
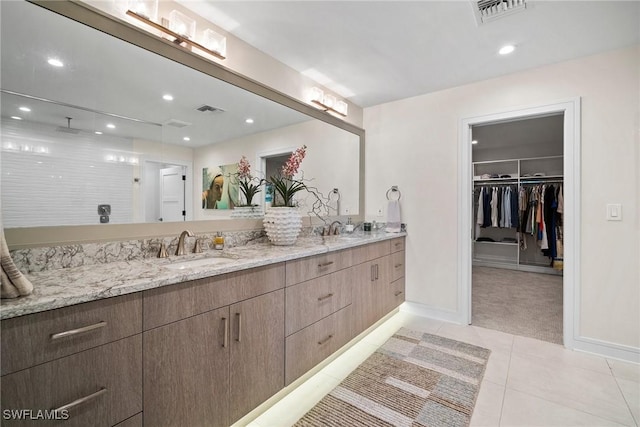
(527,382)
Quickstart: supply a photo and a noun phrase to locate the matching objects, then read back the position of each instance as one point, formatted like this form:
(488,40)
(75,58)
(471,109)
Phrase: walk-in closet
(518,233)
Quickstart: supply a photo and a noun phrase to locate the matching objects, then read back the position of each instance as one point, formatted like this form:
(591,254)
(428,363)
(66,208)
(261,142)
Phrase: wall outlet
(380,213)
(346,211)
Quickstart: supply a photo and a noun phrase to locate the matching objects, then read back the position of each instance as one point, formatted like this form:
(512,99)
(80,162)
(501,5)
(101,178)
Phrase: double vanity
(200,339)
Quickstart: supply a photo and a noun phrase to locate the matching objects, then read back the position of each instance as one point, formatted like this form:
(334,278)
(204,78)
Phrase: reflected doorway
(164,192)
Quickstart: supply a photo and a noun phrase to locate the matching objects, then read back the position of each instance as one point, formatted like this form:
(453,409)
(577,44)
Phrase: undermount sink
(209,261)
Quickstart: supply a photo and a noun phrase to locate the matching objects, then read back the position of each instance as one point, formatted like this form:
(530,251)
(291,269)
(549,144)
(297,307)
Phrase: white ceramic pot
(282,224)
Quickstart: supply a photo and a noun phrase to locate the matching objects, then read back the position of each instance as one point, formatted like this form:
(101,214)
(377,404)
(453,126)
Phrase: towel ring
(394,189)
(334,191)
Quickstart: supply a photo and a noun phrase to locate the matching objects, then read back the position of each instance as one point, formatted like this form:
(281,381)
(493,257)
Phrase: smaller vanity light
(182,25)
(25,109)
(55,62)
(249,121)
(167,97)
(329,100)
(146,8)
(505,50)
(214,41)
(341,107)
(316,94)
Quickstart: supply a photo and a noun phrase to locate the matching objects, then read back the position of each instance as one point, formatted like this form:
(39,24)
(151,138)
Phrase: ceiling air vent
(488,10)
(206,108)
(176,123)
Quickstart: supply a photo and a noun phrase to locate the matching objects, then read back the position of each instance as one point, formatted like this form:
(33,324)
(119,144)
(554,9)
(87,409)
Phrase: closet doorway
(517,239)
(535,149)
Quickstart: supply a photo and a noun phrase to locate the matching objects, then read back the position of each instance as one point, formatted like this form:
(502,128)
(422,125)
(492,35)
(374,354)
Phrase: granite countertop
(68,286)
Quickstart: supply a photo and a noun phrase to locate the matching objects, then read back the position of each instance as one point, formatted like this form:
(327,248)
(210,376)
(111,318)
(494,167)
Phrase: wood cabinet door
(257,352)
(186,372)
(363,299)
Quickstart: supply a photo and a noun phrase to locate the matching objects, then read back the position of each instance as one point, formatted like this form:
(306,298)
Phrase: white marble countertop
(69,286)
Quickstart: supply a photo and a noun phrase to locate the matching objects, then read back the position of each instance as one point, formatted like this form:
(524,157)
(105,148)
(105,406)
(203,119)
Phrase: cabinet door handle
(82,400)
(73,332)
(398,244)
(376,271)
(226,332)
(398,265)
(325,340)
(325,297)
(239,317)
(325,264)
(398,293)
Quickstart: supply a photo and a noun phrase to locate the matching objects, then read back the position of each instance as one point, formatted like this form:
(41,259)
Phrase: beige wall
(412,143)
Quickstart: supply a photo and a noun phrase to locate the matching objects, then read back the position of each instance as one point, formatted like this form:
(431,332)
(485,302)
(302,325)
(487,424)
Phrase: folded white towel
(13,284)
(393,216)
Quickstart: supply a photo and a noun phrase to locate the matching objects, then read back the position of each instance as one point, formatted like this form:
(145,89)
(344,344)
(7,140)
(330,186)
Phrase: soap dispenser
(349,227)
(218,241)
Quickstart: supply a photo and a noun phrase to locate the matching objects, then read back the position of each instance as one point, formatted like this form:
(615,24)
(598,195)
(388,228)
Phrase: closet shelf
(497,243)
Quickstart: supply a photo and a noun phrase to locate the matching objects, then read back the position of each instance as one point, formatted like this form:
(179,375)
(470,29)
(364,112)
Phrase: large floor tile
(488,405)
(560,354)
(487,338)
(297,403)
(625,370)
(522,409)
(631,392)
(581,389)
(498,367)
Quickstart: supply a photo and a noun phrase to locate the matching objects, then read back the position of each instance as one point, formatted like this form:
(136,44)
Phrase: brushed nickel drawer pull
(325,297)
(239,316)
(376,271)
(325,340)
(398,293)
(82,400)
(398,265)
(225,341)
(72,332)
(398,244)
(325,264)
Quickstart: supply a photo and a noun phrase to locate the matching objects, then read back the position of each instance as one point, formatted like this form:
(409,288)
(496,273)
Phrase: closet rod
(546,181)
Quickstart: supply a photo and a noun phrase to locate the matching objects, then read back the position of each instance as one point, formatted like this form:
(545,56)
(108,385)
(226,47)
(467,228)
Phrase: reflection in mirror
(114,125)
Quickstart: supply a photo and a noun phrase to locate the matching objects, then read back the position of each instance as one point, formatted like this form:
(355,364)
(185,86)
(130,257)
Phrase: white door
(172,194)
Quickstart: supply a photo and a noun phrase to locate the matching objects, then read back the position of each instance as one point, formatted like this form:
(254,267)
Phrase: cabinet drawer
(397,265)
(37,338)
(172,303)
(308,268)
(397,245)
(396,295)
(312,300)
(310,346)
(371,251)
(108,377)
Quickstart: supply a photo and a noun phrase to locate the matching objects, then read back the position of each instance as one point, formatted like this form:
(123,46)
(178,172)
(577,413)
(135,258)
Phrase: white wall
(412,143)
(331,161)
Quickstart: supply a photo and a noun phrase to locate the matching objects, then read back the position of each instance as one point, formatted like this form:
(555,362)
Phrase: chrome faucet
(180,250)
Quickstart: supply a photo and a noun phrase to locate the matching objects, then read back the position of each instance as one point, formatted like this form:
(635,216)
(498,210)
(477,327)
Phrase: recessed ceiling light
(505,50)
(55,62)
(98,132)
(249,121)
(167,97)
(16,118)
(474,142)
(186,138)
(111,126)
(25,109)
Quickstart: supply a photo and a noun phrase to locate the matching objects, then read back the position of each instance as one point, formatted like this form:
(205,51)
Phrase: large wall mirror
(106,133)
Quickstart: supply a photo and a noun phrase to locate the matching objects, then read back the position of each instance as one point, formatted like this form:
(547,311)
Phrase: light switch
(614,212)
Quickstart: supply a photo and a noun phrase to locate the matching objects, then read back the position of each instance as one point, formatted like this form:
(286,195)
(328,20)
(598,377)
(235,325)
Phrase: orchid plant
(284,184)
(249,185)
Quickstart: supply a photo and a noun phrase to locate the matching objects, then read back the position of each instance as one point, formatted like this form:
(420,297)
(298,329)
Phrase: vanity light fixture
(25,109)
(328,102)
(507,49)
(167,97)
(214,41)
(182,32)
(55,62)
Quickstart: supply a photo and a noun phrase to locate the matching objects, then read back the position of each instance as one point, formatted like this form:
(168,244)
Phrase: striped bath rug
(414,379)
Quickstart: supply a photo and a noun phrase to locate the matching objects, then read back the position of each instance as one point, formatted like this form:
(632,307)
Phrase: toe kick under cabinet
(202,352)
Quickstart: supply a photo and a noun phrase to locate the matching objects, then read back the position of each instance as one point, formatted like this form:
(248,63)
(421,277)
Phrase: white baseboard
(607,349)
(432,312)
